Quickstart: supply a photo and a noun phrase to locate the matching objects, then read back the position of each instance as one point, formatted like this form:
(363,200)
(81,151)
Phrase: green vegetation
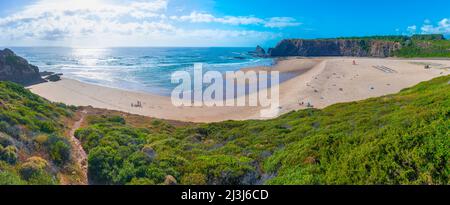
(35,171)
(431,45)
(379,38)
(420,47)
(428,37)
(32,128)
(395,139)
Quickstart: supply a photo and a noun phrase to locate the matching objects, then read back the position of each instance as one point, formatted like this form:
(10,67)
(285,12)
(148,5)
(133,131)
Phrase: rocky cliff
(335,47)
(258,52)
(16,69)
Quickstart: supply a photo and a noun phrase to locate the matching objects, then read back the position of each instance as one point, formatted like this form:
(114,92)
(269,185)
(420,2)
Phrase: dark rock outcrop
(46,73)
(335,47)
(259,52)
(53,77)
(16,69)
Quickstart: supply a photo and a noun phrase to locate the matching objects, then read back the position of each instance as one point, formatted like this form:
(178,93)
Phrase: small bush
(194,179)
(41,139)
(9,178)
(9,154)
(5,140)
(106,119)
(3,126)
(59,149)
(33,167)
(47,127)
(141,181)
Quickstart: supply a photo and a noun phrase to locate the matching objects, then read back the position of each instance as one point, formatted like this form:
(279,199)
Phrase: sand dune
(318,82)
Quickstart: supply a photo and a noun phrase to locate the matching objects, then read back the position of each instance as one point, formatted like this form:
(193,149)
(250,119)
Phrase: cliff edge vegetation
(33,149)
(434,45)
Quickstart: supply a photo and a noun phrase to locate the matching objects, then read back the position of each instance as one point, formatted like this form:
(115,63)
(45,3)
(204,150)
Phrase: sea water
(137,69)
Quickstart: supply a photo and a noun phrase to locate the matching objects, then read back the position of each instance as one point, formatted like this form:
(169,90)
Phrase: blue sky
(100,23)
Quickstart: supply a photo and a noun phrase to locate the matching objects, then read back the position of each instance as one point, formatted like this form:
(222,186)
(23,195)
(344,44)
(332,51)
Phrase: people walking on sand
(138,104)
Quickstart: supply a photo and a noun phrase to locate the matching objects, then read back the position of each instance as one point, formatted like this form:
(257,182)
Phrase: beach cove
(319,82)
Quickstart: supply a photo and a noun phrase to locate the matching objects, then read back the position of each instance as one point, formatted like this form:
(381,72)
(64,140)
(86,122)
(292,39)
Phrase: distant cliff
(335,47)
(374,46)
(16,69)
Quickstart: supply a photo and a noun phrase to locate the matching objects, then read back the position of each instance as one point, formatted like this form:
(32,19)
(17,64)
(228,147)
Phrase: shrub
(9,178)
(9,154)
(102,163)
(43,178)
(222,169)
(141,181)
(106,119)
(47,127)
(13,131)
(194,179)
(3,126)
(5,140)
(59,149)
(41,139)
(33,167)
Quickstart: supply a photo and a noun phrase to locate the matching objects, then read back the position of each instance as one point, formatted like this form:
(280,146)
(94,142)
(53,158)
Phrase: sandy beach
(318,82)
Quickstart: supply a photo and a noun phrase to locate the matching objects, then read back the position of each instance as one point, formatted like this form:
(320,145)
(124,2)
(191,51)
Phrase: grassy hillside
(395,139)
(32,147)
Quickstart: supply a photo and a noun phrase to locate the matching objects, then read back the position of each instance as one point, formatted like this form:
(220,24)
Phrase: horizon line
(81,47)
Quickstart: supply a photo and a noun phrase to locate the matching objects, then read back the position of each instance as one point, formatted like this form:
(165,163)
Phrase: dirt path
(79,155)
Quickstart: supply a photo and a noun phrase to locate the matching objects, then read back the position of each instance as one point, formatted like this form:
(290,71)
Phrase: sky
(210,23)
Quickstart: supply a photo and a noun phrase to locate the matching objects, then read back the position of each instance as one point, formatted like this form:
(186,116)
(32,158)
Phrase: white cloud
(53,20)
(221,34)
(412,29)
(274,22)
(442,27)
(196,17)
(280,22)
(139,22)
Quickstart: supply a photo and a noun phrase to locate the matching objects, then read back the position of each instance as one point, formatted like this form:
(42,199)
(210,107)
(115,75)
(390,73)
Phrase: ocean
(136,69)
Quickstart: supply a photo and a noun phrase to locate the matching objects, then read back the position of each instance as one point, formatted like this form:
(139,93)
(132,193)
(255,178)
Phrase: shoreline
(320,82)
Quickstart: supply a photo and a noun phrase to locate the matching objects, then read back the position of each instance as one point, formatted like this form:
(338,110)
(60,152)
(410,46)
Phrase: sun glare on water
(89,56)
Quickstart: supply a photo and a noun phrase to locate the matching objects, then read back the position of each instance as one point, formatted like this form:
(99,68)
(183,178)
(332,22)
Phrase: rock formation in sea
(16,69)
(53,77)
(335,47)
(259,52)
